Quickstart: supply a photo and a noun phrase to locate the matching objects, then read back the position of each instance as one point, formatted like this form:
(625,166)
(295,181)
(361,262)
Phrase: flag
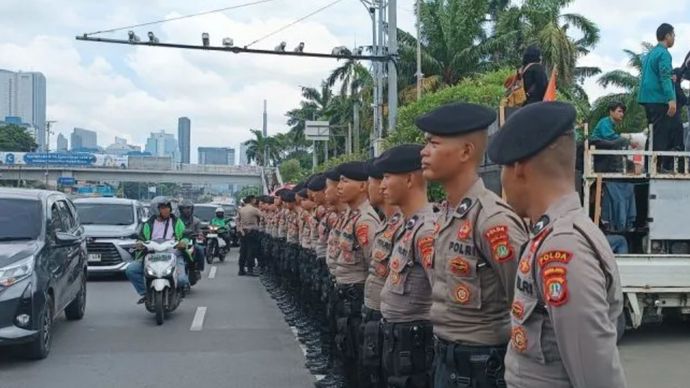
(550,94)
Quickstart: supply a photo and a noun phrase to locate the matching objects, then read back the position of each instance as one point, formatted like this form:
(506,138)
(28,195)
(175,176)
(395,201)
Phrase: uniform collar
(566,204)
(469,199)
(419,216)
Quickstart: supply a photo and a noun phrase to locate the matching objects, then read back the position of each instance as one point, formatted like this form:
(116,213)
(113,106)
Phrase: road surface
(242,341)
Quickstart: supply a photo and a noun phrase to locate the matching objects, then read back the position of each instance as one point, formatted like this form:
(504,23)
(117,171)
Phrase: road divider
(198,321)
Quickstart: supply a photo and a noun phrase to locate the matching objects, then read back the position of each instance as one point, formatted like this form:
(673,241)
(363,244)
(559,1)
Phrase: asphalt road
(243,342)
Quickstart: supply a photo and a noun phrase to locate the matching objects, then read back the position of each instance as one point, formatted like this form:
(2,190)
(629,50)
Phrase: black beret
(530,130)
(333,174)
(268,200)
(357,171)
(456,119)
(303,193)
(317,182)
(400,159)
(280,192)
(298,187)
(373,171)
(288,196)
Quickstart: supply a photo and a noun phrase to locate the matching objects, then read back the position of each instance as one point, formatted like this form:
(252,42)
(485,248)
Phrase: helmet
(186,204)
(159,202)
(220,210)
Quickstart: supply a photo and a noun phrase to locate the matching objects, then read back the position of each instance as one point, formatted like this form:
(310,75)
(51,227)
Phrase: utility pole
(392,70)
(419,50)
(47,146)
(355,116)
(265,132)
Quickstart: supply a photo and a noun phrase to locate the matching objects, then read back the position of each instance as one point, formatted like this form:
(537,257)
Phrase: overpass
(191,174)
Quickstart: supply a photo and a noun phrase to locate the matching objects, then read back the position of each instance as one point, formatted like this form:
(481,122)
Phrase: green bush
(486,89)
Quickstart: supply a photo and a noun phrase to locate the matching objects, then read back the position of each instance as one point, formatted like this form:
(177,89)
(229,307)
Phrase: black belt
(369,315)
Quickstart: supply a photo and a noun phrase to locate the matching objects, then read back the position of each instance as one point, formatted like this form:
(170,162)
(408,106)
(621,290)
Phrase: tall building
(62,144)
(120,147)
(243,154)
(24,95)
(163,144)
(184,136)
(83,139)
(217,155)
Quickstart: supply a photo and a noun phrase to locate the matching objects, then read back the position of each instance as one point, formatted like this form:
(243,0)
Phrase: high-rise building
(184,136)
(217,155)
(243,154)
(62,144)
(82,139)
(163,144)
(120,147)
(24,95)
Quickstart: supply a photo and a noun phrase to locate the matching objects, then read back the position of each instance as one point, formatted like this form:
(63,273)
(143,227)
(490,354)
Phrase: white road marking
(198,322)
(212,273)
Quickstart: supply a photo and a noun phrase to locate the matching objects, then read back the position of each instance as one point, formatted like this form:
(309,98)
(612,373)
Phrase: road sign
(66,181)
(317,130)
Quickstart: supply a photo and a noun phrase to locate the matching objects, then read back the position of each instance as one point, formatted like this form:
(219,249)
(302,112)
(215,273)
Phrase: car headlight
(16,272)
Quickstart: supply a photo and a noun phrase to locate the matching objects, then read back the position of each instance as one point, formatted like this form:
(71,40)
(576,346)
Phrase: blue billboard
(60,159)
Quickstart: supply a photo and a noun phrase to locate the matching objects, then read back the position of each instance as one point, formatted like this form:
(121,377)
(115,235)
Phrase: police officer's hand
(672,108)
(139,246)
(181,245)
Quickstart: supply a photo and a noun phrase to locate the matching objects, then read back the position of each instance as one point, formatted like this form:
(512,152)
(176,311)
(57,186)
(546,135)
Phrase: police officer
(248,219)
(568,295)
(371,334)
(352,265)
(478,238)
(406,295)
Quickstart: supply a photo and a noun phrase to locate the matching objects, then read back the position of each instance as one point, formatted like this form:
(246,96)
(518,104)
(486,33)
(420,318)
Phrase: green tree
(256,147)
(291,170)
(16,138)
(247,190)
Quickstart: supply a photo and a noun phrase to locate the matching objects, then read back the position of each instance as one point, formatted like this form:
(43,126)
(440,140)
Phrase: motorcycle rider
(163,225)
(192,230)
(219,221)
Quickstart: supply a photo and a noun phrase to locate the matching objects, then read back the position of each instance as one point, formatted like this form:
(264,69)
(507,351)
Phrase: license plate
(94,257)
(211,235)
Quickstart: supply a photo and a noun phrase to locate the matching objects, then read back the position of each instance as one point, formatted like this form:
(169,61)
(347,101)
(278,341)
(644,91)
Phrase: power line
(293,23)
(181,17)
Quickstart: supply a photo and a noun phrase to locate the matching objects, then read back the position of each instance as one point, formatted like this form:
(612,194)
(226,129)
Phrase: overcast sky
(131,91)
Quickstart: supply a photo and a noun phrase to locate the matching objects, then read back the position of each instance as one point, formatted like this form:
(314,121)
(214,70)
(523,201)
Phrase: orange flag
(551,88)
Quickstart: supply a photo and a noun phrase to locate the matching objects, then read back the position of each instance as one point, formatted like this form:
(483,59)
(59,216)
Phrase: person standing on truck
(534,76)
(568,294)
(477,241)
(657,93)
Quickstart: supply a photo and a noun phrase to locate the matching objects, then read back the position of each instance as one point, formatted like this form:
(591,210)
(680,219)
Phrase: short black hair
(663,30)
(249,199)
(613,105)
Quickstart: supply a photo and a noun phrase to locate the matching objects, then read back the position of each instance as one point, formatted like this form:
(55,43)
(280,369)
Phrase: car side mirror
(66,239)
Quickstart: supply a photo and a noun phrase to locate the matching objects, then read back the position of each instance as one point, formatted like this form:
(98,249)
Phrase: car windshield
(230,210)
(105,214)
(20,219)
(205,213)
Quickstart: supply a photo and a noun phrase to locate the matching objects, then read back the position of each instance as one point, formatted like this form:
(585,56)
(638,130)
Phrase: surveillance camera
(152,38)
(205,39)
(281,47)
(133,38)
(300,47)
(228,42)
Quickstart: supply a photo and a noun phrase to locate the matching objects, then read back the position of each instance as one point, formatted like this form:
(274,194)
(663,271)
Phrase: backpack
(515,95)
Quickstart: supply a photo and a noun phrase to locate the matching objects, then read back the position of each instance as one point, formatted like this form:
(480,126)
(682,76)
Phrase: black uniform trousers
(248,250)
(667,132)
(461,366)
(408,353)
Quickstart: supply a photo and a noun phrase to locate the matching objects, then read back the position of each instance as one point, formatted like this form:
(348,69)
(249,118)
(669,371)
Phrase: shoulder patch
(554,256)
(499,241)
(362,233)
(555,286)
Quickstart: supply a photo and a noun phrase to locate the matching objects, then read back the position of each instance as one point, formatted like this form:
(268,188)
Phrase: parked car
(42,267)
(112,227)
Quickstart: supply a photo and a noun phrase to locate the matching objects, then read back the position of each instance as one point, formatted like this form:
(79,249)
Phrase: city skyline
(23,95)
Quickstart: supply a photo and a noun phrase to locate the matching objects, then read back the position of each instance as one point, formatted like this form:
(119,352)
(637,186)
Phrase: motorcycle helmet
(220,212)
(187,204)
(157,203)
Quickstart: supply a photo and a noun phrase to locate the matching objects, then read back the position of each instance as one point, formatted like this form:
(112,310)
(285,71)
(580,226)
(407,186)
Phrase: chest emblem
(462,294)
(518,339)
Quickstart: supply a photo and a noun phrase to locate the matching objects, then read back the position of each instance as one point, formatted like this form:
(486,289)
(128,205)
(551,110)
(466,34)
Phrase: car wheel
(39,348)
(76,309)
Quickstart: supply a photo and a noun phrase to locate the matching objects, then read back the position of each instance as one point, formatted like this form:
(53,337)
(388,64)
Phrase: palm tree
(260,144)
(629,84)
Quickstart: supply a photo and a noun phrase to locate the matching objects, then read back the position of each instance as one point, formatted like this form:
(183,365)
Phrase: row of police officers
(478,291)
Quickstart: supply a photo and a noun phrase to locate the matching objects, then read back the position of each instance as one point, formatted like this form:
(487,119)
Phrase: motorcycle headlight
(16,272)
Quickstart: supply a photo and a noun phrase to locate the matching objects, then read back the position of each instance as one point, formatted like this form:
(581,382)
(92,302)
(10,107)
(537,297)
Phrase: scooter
(160,272)
(215,244)
(192,267)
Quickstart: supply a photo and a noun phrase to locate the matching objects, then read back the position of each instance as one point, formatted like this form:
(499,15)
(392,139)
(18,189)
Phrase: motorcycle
(192,269)
(160,273)
(215,244)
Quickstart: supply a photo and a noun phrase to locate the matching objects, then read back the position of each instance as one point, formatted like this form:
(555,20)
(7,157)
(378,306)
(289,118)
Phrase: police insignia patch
(379,255)
(518,309)
(459,266)
(518,339)
(407,237)
(426,249)
(524,265)
(437,228)
(381,270)
(555,286)
(363,234)
(395,278)
(554,256)
(465,230)
(462,294)
(464,207)
(500,243)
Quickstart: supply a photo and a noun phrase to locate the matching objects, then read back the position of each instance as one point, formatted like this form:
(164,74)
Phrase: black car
(43,267)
